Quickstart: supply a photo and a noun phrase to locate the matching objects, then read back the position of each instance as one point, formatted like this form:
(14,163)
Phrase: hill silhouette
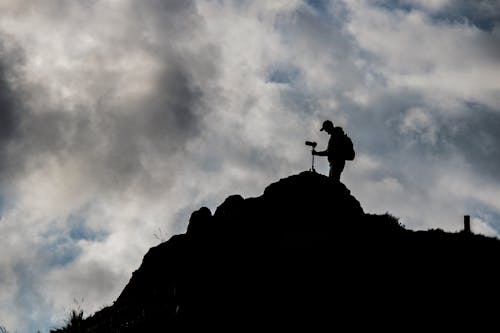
(303,254)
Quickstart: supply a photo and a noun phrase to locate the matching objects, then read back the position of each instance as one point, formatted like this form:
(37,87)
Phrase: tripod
(312,144)
(312,166)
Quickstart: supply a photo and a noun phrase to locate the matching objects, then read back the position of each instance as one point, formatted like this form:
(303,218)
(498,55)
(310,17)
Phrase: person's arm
(320,153)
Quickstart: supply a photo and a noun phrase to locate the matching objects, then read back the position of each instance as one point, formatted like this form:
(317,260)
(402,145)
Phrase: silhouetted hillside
(304,254)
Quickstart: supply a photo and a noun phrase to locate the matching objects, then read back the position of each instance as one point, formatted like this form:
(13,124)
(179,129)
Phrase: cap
(326,124)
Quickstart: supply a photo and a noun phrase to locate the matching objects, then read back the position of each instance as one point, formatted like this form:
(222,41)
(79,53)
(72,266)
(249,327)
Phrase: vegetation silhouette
(304,254)
(74,323)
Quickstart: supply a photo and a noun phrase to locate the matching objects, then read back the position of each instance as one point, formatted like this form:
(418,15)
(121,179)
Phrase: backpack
(347,148)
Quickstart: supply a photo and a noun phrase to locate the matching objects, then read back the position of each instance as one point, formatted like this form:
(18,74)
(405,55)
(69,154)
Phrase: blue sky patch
(394,5)
(319,5)
(485,213)
(80,231)
(283,74)
(62,252)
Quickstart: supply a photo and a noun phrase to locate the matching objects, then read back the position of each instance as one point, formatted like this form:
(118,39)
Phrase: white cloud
(438,59)
(419,122)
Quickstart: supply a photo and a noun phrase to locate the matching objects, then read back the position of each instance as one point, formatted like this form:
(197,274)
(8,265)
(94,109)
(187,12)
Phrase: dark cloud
(11,58)
(384,115)
(484,14)
(477,137)
(282,74)
(9,118)
(473,134)
(175,109)
(320,5)
(157,126)
(394,4)
(11,108)
(169,19)
(116,138)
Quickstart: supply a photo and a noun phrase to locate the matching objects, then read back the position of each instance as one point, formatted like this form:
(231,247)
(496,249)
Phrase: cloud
(484,14)
(477,137)
(9,101)
(92,120)
(8,118)
(448,63)
(120,117)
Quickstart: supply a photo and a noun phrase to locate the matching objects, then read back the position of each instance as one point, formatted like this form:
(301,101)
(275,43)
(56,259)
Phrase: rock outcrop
(304,254)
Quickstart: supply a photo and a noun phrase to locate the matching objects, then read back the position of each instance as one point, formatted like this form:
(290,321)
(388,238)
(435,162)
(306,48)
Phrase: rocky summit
(303,255)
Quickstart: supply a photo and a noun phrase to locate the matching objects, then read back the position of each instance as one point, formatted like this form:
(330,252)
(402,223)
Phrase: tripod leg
(312,167)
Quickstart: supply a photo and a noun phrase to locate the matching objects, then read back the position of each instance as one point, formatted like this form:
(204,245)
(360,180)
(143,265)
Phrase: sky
(118,118)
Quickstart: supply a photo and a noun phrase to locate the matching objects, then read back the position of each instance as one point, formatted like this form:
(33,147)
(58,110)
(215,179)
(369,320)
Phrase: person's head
(327,126)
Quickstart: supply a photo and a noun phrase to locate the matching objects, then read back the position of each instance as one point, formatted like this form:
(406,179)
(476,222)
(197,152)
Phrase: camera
(311,143)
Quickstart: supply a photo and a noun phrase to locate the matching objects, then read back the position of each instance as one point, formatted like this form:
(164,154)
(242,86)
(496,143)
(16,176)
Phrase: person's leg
(336,168)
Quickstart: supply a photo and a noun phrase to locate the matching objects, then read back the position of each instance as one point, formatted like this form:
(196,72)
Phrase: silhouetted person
(335,149)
